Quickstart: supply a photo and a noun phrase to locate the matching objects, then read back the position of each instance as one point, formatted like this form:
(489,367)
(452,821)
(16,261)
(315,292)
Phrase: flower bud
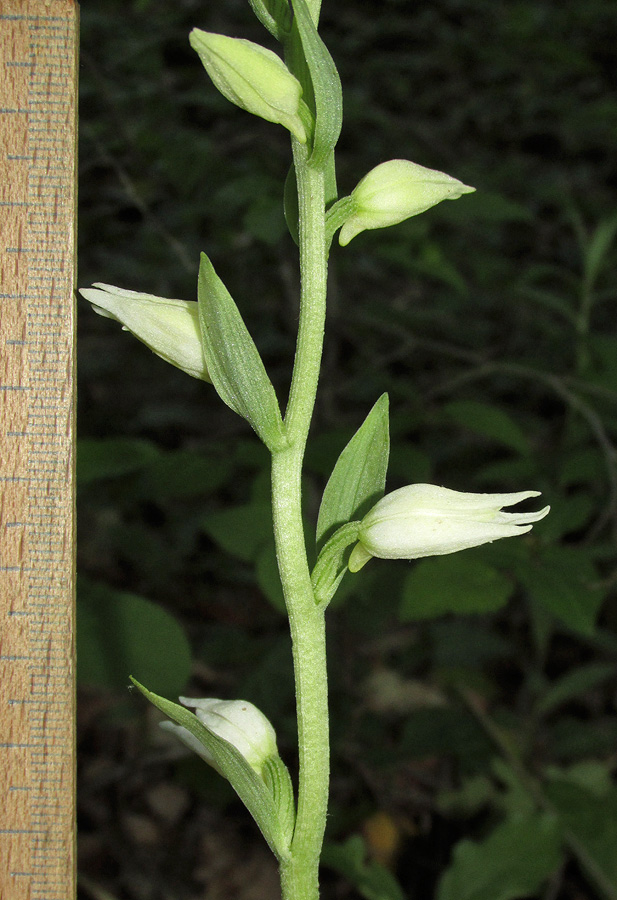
(253,78)
(170,328)
(395,191)
(236,721)
(427,520)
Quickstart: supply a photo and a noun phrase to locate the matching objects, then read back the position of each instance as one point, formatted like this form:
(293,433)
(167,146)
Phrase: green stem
(299,875)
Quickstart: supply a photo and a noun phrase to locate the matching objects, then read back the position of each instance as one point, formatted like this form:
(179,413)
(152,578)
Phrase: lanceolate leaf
(359,476)
(234,363)
(324,86)
(251,789)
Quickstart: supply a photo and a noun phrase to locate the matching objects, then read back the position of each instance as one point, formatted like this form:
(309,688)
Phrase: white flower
(427,520)
(236,721)
(252,77)
(395,191)
(170,328)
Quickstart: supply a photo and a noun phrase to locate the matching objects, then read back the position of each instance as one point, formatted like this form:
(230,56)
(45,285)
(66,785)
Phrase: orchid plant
(208,340)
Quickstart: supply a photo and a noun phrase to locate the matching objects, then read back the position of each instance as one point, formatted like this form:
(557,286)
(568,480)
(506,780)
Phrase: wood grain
(38,70)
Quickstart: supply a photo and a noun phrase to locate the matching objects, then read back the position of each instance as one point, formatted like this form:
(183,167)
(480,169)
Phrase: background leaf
(565,581)
(593,820)
(99,458)
(120,634)
(241,530)
(372,880)
(459,583)
(513,862)
(490,421)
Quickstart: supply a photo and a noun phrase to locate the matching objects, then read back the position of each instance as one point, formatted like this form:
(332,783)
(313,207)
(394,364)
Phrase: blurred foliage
(473,696)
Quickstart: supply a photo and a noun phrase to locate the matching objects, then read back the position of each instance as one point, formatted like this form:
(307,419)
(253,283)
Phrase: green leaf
(573,684)
(112,457)
(565,581)
(589,774)
(569,514)
(409,463)
(597,249)
(571,738)
(458,583)
(290,205)
(119,633)
(372,880)
(582,465)
(278,780)
(332,562)
(489,421)
(474,793)
(447,731)
(275,15)
(241,530)
(513,862)
(250,787)
(468,644)
(325,84)
(358,479)
(234,363)
(183,473)
(268,578)
(593,821)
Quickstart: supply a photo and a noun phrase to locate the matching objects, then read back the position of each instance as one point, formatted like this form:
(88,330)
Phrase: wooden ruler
(38,49)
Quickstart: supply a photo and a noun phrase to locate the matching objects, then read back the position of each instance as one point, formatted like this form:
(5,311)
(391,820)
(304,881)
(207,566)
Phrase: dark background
(490,322)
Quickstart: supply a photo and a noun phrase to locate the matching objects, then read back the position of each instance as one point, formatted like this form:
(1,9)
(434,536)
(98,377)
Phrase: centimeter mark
(38,50)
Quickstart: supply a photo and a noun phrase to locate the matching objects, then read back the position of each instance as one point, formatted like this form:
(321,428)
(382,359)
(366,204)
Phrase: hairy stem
(299,875)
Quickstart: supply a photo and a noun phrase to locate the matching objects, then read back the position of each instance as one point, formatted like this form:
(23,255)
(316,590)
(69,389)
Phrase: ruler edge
(71,13)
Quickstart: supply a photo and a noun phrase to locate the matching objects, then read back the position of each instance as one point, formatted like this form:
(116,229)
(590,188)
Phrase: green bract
(395,191)
(427,520)
(275,15)
(236,369)
(253,78)
(358,479)
(170,328)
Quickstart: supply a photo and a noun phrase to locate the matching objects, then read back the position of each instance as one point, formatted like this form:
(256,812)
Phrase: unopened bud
(395,191)
(170,328)
(236,721)
(253,78)
(427,520)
